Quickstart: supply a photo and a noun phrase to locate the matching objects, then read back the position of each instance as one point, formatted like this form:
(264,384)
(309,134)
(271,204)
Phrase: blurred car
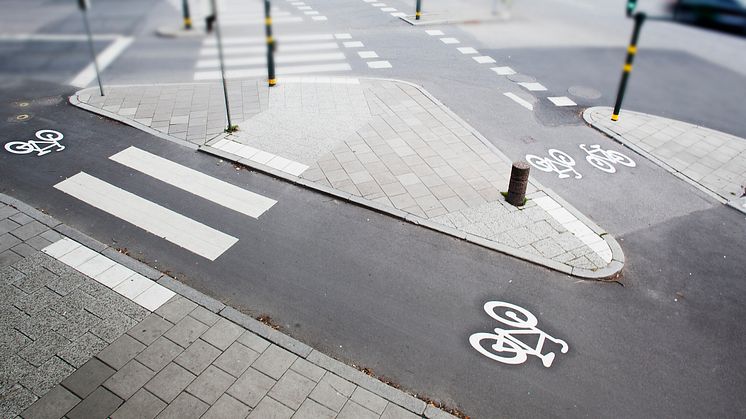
(724,14)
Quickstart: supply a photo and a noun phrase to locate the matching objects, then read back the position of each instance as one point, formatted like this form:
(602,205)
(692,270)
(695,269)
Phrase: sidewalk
(713,161)
(384,144)
(88,332)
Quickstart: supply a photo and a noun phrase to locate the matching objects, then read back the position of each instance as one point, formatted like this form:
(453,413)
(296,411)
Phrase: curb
(738,203)
(411,19)
(170,32)
(393,395)
(611,271)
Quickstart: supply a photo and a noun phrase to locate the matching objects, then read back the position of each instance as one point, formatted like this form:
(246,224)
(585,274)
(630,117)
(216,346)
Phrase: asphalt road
(402,300)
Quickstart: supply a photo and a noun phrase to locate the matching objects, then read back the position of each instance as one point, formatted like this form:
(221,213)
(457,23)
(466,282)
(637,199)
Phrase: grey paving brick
(130,378)
(308,369)
(143,405)
(186,331)
(274,361)
(222,334)
(251,387)
(15,401)
(185,406)
(332,392)
(150,329)
(44,348)
(159,354)
(312,410)
(352,410)
(29,230)
(170,381)
(99,404)
(7,226)
(88,377)
(48,375)
(6,211)
(253,341)
(77,324)
(227,408)
(369,400)
(9,275)
(24,249)
(51,235)
(81,350)
(35,281)
(121,351)
(12,369)
(67,283)
(53,405)
(209,385)
(236,359)
(176,309)
(292,389)
(393,411)
(9,257)
(113,326)
(198,356)
(271,409)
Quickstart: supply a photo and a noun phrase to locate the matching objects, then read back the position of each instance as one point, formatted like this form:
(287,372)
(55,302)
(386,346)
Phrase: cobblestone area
(713,160)
(390,145)
(72,347)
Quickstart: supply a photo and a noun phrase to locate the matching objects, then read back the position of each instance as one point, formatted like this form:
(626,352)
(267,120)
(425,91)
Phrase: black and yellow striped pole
(270,45)
(631,51)
(418,12)
(187,17)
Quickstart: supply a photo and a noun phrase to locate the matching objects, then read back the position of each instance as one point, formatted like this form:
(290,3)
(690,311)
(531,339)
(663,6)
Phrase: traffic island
(387,145)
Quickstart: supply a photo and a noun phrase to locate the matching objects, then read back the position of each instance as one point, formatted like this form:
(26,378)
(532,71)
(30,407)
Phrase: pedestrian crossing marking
(279,59)
(149,216)
(260,49)
(280,71)
(195,182)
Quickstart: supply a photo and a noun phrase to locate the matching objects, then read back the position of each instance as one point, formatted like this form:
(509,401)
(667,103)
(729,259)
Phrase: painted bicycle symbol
(558,162)
(504,346)
(605,159)
(47,141)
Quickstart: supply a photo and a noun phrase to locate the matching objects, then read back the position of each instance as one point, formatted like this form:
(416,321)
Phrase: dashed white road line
(379,64)
(519,101)
(434,32)
(467,50)
(562,101)
(353,44)
(367,54)
(503,71)
(484,59)
(533,86)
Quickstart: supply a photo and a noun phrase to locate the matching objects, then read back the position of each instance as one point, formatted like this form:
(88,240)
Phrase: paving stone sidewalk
(712,160)
(384,144)
(77,347)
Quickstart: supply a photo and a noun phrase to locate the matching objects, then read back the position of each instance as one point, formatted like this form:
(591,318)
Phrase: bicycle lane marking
(47,137)
(507,348)
(562,164)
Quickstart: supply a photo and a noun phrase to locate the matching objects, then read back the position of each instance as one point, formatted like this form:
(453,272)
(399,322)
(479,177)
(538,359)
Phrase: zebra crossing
(158,220)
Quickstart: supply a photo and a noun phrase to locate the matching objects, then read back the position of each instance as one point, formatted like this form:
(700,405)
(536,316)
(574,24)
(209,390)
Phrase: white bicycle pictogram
(47,141)
(503,346)
(559,162)
(605,159)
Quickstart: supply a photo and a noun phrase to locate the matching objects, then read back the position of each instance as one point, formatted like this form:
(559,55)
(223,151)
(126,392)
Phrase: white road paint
(520,101)
(388,9)
(244,22)
(367,54)
(398,14)
(343,36)
(195,182)
(319,18)
(533,86)
(353,44)
(162,222)
(279,59)
(281,49)
(47,141)
(605,160)
(104,58)
(311,13)
(434,32)
(450,41)
(503,71)
(484,59)
(54,37)
(111,274)
(467,50)
(562,101)
(379,64)
(280,71)
(505,346)
(558,162)
(240,40)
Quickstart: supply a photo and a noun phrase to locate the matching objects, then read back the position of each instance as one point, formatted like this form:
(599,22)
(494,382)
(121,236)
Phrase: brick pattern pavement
(385,142)
(71,347)
(713,160)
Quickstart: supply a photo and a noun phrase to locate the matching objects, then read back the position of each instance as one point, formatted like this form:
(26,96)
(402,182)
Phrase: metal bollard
(631,51)
(270,45)
(187,17)
(518,183)
(418,11)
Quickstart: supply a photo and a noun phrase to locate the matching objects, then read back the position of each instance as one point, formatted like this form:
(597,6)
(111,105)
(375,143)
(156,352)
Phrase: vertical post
(187,17)
(631,51)
(222,64)
(418,11)
(518,183)
(270,45)
(83,4)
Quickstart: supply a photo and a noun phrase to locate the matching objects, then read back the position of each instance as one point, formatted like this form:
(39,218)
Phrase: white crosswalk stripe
(160,221)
